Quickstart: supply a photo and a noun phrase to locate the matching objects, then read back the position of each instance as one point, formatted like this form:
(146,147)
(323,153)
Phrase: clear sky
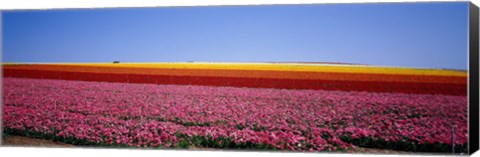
(431,35)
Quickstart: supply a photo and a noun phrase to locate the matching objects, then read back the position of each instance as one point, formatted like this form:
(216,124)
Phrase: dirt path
(26,141)
(362,150)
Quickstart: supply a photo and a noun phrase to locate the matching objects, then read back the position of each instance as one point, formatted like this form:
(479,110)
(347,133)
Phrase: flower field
(238,107)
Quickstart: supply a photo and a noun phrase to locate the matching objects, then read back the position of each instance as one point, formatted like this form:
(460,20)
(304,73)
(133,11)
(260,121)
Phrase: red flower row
(395,87)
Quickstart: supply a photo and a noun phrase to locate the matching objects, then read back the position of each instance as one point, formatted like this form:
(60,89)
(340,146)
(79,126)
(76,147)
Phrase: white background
(49,4)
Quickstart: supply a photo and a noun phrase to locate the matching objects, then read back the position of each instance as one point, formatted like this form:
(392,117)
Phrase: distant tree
(116,62)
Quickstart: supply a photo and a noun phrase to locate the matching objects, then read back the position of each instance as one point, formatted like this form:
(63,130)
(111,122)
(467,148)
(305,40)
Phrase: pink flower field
(179,116)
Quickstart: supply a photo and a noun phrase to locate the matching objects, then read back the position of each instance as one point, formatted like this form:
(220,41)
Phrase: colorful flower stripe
(286,67)
(401,87)
(252,74)
(145,115)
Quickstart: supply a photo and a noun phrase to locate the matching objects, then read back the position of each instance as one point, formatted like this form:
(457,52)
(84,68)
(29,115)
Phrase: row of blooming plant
(145,115)
(412,84)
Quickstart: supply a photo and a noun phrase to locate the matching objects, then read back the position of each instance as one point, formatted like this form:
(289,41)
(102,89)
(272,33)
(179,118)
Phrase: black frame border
(473,80)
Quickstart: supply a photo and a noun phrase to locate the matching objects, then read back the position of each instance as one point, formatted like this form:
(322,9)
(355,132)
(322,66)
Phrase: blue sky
(432,35)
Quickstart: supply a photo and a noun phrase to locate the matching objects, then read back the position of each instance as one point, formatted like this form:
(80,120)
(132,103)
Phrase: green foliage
(219,142)
(240,126)
(257,128)
(183,144)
